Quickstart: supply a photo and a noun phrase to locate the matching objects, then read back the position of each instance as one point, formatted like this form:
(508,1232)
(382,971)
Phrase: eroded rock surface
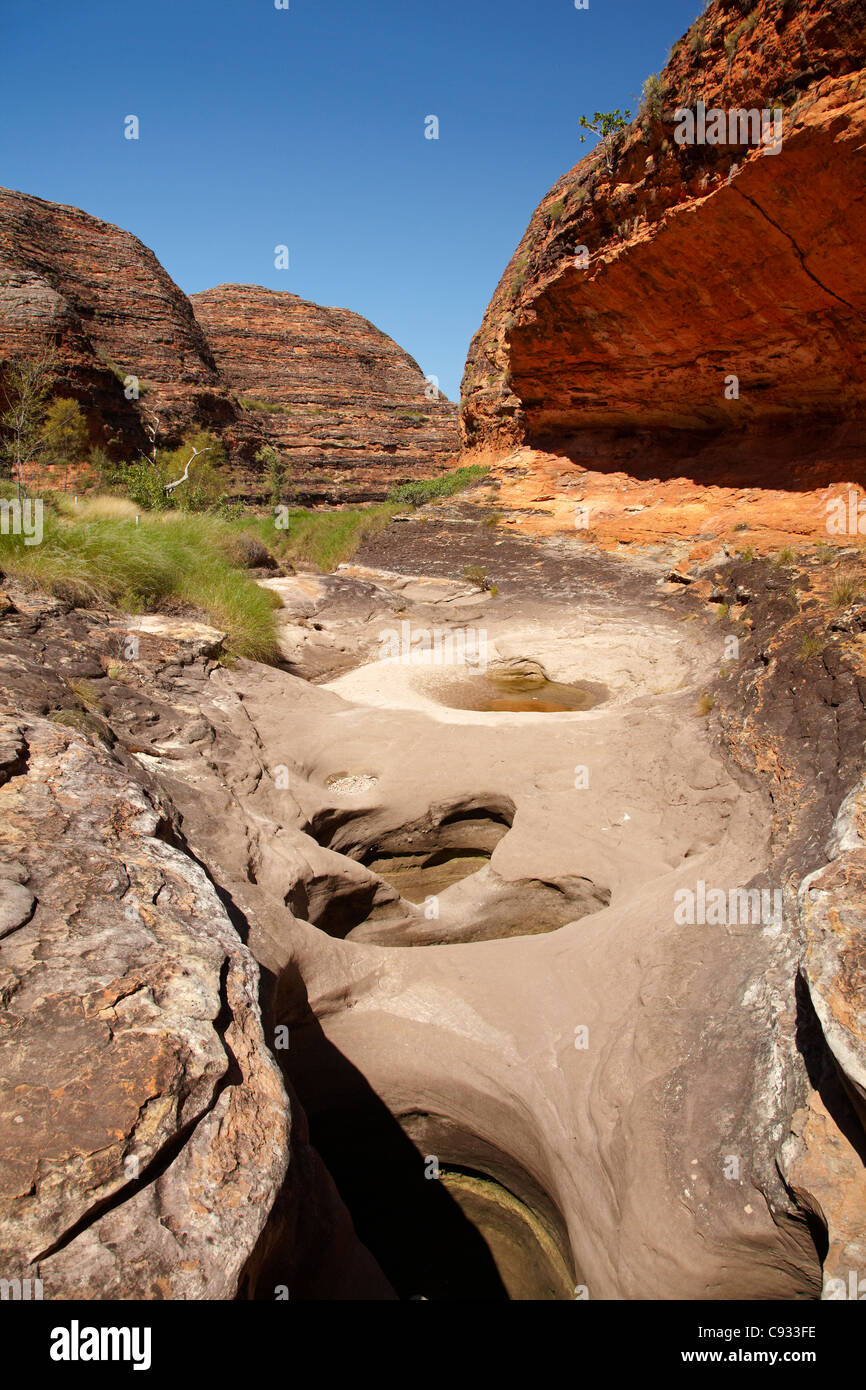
(703,262)
(138,1092)
(465,925)
(149,1145)
(298,798)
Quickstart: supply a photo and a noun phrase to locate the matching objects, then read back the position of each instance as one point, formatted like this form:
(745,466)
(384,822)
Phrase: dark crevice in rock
(432,1240)
(14,756)
(170,834)
(824,1074)
(800,254)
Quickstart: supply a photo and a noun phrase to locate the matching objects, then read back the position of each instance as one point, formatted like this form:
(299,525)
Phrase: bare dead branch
(196,453)
(152,431)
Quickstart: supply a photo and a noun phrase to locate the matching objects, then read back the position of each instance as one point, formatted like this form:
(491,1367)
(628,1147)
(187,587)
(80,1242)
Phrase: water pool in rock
(505,693)
(415,876)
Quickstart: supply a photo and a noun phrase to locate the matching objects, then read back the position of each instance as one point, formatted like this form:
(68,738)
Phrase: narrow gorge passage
(432,792)
(531,1048)
(515,1068)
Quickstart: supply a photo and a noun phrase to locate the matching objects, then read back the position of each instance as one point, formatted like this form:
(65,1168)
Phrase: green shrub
(608,125)
(324,538)
(65,430)
(785,556)
(274,466)
(810,645)
(844,592)
(696,36)
(104,468)
(415,494)
(145,482)
(144,485)
(742,31)
(266,407)
(651,96)
(477,575)
(205,486)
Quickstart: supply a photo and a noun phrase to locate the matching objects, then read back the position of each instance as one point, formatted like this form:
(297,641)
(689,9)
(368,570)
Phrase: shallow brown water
(515,694)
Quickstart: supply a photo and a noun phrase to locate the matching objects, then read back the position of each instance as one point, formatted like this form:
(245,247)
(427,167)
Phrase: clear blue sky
(305,127)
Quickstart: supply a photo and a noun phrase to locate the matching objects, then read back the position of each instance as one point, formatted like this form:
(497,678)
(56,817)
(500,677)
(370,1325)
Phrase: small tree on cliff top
(607,124)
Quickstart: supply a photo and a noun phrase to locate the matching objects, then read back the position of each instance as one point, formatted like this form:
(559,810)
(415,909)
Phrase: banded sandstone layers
(338,398)
(703,261)
(360,420)
(110,309)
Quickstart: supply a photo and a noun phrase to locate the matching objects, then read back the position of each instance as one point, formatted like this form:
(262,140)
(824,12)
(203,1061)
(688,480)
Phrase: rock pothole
(496,670)
(445,1212)
(474,825)
(432,882)
(508,692)
(417,876)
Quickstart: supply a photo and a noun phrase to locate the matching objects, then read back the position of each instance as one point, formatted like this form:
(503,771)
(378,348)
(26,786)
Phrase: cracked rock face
(137,1089)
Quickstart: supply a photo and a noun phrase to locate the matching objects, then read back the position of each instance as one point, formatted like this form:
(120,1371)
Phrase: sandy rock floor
(600,1065)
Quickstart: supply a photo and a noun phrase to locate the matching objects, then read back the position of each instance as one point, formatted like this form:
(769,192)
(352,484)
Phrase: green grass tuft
(844,592)
(810,645)
(423,490)
(169,558)
(323,538)
(265,407)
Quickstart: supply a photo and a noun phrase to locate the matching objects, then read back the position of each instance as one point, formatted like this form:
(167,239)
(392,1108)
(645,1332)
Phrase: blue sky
(305,127)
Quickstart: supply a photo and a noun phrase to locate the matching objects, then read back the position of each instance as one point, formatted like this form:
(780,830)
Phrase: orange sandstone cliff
(655,271)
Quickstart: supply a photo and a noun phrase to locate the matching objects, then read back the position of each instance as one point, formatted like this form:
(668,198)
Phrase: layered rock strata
(348,410)
(109,310)
(655,273)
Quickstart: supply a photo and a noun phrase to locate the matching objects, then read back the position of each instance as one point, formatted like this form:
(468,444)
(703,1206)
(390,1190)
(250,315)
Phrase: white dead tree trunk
(196,453)
(152,431)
